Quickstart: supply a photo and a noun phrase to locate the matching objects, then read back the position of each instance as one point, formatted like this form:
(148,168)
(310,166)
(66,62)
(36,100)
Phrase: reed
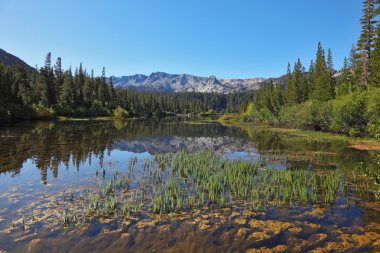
(64,219)
(183,181)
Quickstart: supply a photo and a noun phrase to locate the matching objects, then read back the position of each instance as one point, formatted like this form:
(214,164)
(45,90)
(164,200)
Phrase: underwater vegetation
(244,201)
(171,183)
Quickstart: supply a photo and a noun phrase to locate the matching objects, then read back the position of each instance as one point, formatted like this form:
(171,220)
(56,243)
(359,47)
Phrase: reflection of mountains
(50,144)
(168,144)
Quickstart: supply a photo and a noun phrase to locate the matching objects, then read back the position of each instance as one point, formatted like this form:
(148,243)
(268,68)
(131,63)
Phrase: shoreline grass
(361,143)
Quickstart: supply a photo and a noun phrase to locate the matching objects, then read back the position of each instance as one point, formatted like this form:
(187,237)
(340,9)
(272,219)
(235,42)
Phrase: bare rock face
(164,82)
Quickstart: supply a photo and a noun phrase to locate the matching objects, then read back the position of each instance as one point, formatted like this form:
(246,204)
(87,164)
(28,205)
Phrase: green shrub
(97,109)
(373,112)
(322,113)
(41,112)
(310,115)
(82,112)
(254,113)
(349,114)
(297,116)
(63,111)
(120,112)
(230,117)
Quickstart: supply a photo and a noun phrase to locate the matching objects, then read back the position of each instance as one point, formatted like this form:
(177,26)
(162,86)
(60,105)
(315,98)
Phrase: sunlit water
(38,161)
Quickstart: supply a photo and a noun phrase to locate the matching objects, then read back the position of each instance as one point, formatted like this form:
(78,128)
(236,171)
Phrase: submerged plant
(72,195)
(64,219)
(192,180)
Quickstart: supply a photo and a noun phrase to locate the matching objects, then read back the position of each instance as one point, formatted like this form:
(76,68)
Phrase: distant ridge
(164,82)
(10,60)
(170,83)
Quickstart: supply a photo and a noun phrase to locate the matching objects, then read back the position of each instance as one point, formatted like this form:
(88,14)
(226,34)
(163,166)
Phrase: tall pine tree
(289,89)
(374,77)
(330,69)
(366,42)
(345,84)
(111,92)
(58,77)
(310,78)
(322,90)
(67,94)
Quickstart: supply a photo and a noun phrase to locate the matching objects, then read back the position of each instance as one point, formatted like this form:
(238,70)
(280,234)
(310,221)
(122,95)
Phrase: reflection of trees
(50,144)
(301,150)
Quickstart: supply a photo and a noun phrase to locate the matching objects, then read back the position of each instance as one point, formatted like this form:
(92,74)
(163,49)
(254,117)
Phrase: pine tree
(22,83)
(67,94)
(330,69)
(310,78)
(345,84)
(352,61)
(111,92)
(97,82)
(322,89)
(58,77)
(366,42)
(289,89)
(46,83)
(374,77)
(298,82)
(276,98)
(88,91)
(79,85)
(48,61)
(304,87)
(102,90)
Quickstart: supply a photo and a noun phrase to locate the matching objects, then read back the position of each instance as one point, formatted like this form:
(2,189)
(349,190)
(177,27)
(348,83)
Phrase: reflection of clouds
(158,145)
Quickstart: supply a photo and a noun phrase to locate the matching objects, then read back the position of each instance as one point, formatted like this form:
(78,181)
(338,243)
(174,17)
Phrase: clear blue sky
(226,38)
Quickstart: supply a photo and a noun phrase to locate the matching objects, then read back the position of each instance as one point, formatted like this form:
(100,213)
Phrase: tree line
(52,91)
(321,98)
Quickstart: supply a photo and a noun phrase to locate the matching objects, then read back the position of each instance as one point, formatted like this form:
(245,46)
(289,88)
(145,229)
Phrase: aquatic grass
(71,195)
(23,223)
(64,219)
(183,181)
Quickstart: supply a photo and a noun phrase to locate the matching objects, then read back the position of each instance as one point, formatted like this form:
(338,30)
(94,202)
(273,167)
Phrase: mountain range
(165,82)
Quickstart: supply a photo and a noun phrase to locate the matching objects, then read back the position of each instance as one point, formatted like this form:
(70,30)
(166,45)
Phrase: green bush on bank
(120,112)
(259,114)
(354,114)
(310,115)
(350,115)
(41,112)
(98,109)
(373,113)
(357,113)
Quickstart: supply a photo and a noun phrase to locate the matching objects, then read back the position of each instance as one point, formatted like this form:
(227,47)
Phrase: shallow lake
(51,172)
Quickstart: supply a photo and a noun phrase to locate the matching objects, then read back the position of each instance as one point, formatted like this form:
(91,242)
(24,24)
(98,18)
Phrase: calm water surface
(40,162)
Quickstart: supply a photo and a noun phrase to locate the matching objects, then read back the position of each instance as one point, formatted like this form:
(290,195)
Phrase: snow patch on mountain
(164,82)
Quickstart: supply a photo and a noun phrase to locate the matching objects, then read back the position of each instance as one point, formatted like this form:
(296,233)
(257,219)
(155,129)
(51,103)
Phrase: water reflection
(71,152)
(52,144)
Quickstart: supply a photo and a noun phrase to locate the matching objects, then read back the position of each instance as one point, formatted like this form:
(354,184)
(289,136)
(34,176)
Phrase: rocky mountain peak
(165,82)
